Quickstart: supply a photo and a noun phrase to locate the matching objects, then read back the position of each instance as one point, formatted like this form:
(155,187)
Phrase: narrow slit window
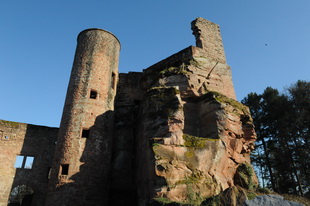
(48,172)
(113,80)
(29,162)
(64,169)
(85,133)
(93,94)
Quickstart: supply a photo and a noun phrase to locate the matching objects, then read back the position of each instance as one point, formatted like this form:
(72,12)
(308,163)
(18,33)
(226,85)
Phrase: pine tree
(282,120)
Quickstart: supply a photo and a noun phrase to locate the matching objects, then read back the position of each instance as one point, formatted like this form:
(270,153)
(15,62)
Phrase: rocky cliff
(193,144)
(181,137)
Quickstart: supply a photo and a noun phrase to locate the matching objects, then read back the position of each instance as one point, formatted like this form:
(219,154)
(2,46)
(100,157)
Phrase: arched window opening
(21,195)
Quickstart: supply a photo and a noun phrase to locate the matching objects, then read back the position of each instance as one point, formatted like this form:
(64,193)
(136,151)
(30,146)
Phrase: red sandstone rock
(203,162)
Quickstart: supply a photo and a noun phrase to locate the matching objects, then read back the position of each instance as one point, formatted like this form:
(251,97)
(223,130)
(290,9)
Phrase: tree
(282,123)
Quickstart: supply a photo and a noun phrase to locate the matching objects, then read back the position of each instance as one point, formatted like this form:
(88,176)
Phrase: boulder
(271,200)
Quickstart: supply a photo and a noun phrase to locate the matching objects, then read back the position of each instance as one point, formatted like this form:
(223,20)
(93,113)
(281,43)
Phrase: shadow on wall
(90,185)
(123,189)
(32,166)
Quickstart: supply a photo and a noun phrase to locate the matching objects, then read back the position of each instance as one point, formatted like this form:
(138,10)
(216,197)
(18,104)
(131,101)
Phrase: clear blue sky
(38,40)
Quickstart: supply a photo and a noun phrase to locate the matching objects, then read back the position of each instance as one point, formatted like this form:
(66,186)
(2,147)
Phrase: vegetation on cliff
(181,70)
(197,142)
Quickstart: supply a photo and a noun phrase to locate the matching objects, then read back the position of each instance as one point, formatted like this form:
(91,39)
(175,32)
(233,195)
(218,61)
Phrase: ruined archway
(21,195)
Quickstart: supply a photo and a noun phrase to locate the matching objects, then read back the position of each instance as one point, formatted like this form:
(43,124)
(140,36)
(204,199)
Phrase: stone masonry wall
(208,37)
(80,172)
(25,140)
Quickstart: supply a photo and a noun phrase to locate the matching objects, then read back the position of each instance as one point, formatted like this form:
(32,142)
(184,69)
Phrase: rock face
(188,163)
(270,200)
(181,137)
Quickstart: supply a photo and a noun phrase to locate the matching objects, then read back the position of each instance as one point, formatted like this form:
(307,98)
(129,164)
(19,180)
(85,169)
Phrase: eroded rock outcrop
(192,138)
(194,162)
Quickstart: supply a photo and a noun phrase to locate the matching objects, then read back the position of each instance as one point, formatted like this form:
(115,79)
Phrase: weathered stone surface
(270,200)
(28,141)
(194,73)
(195,163)
(208,37)
(174,134)
(84,146)
(232,196)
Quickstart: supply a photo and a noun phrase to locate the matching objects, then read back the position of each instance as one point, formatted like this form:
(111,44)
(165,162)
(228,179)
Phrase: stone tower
(79,175)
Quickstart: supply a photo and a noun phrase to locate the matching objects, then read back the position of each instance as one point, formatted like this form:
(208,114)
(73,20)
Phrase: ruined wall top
(208,37)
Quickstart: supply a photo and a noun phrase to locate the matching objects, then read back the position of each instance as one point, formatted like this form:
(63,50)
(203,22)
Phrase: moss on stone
(155,147)
(193,197)
(198,62)
(244,175)
(246,169)
(173,71)
(164,100)
(155,144)
(234,103)
(10,124)
(189,180)
(194,141)
(189,154)
(262,190)
(159,201)
(162,200)
(251,195)
(192,183)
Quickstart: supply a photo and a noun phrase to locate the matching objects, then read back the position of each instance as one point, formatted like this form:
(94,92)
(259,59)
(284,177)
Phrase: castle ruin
(173,133)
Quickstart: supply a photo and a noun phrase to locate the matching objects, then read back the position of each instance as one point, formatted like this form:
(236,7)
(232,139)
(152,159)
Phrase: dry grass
(296,198)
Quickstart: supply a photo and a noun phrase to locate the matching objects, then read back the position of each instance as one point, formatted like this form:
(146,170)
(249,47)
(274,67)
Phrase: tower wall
(82,158)
(208,37)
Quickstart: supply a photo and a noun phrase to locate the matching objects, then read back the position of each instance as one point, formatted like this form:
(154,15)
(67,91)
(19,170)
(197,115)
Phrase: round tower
(79,175)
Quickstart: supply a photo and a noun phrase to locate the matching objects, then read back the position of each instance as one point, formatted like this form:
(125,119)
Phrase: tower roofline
(99,30)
